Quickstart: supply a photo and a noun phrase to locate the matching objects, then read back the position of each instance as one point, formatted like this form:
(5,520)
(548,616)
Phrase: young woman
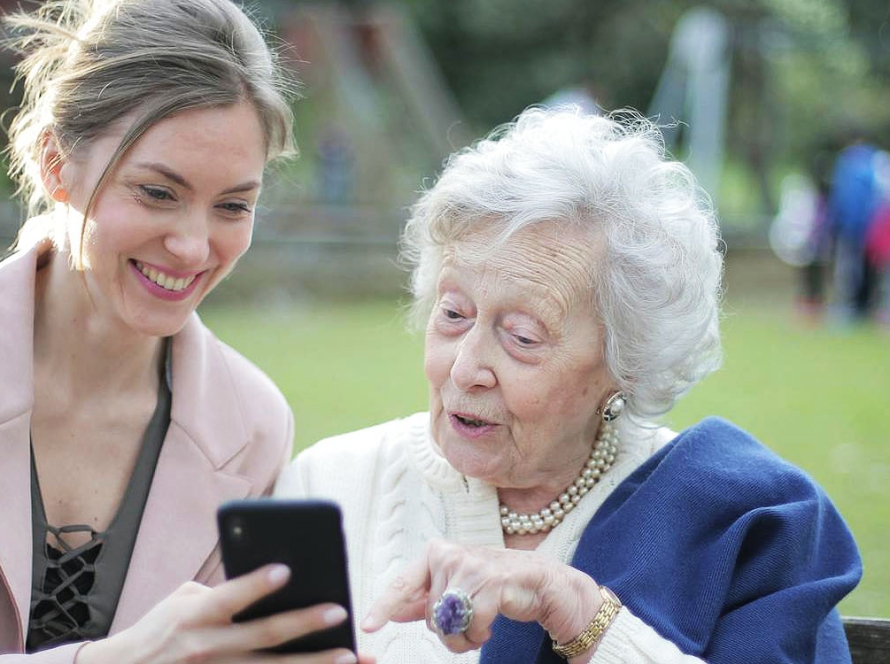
(140,148)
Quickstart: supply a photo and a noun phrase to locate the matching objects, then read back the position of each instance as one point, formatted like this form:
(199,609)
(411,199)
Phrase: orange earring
(60,194)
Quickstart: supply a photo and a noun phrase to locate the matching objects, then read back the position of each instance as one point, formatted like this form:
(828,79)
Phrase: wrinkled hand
(521,585)
(195,624)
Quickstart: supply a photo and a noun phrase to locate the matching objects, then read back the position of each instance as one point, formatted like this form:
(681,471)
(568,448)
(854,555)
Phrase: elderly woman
(570,277)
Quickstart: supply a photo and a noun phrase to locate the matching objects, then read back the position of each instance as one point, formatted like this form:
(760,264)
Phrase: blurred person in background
(877,246)
(853,202)
(140,147)
(568,276)
(800,234)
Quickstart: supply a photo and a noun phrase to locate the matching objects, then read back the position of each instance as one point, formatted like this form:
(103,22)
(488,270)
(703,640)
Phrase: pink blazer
(230,433)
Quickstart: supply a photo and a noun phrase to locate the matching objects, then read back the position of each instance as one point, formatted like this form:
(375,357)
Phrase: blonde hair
(87,64)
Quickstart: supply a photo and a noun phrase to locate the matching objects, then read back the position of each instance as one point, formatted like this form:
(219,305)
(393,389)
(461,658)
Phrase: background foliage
(804,72)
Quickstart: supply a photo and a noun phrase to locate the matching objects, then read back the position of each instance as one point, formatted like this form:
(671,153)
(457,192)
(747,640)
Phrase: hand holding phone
(305,535)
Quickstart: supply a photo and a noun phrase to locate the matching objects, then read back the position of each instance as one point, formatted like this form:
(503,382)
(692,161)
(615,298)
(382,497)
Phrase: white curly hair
(657,270)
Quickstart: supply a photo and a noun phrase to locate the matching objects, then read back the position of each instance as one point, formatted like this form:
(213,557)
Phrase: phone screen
(305,535)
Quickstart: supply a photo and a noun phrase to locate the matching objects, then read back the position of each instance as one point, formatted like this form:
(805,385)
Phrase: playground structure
(693,91)
(375,118)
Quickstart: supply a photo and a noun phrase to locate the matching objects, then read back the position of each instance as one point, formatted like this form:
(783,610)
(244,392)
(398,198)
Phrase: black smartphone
(305,535)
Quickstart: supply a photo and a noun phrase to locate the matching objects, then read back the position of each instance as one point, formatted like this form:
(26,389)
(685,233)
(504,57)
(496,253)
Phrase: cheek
(102,234)
(580,397)
(435,364)
(558,397)
(234,241)
(527,401)
(437,358)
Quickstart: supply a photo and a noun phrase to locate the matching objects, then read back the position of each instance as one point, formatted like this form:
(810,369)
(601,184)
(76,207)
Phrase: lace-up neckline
(75,589)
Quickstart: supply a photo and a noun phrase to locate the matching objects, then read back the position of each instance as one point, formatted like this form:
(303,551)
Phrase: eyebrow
(178,179)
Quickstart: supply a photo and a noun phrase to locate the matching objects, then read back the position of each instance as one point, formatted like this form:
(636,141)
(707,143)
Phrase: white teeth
(165,280)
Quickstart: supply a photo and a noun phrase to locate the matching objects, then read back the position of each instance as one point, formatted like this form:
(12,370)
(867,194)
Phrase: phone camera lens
(237,530)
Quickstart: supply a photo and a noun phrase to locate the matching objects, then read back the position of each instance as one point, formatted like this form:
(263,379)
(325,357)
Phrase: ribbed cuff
(613,647)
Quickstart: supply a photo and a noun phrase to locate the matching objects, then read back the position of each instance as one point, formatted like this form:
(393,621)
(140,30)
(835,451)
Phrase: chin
(160,327)
(159,319)
(470,461)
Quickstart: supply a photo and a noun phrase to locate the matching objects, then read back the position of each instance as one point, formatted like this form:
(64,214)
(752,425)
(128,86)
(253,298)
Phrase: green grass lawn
(820,398)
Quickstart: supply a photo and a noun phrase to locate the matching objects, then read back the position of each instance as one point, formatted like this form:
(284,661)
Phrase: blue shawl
(723,548)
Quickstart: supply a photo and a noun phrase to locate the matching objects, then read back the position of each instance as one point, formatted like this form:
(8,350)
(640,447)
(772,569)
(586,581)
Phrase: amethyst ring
(453,612)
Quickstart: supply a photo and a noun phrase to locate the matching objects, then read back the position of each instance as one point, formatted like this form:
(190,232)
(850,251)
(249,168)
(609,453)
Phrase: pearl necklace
(601,458)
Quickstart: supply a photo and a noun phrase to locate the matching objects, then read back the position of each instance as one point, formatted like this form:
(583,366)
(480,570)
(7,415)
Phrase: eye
(235,209)
(156,193)
(449,319)
(523,335)
(525,341)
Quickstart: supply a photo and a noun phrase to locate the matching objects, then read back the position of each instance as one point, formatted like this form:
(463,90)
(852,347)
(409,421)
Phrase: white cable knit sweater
(397,493)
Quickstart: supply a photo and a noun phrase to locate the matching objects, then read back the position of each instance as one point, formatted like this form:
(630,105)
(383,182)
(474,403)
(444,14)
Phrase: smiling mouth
(165,281)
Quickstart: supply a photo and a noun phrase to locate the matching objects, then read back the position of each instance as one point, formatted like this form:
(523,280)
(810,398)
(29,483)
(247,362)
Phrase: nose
(189,240)
(472,368)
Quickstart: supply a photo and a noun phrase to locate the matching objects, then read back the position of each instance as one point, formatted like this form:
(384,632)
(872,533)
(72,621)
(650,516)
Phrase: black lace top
(75,590)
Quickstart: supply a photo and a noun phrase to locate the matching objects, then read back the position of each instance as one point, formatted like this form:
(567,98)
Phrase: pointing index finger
(405,599)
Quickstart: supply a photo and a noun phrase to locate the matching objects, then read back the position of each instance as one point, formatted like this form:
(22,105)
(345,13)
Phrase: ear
(52,161)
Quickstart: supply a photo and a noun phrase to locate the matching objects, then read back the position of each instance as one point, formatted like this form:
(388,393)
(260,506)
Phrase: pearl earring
(613,407)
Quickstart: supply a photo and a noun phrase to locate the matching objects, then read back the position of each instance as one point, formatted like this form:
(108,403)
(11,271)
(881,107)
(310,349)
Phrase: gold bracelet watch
(594,632)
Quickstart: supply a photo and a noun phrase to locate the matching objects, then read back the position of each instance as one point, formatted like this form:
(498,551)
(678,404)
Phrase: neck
(542,520)
(533,498)
(82,348)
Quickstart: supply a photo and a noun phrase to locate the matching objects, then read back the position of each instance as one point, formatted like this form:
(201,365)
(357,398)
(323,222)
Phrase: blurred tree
(501,55)
(802,70)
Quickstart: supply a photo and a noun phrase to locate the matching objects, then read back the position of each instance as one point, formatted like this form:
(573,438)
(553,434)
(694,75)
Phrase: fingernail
(279,573)
(346,658)
(369,624)
(335,615)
